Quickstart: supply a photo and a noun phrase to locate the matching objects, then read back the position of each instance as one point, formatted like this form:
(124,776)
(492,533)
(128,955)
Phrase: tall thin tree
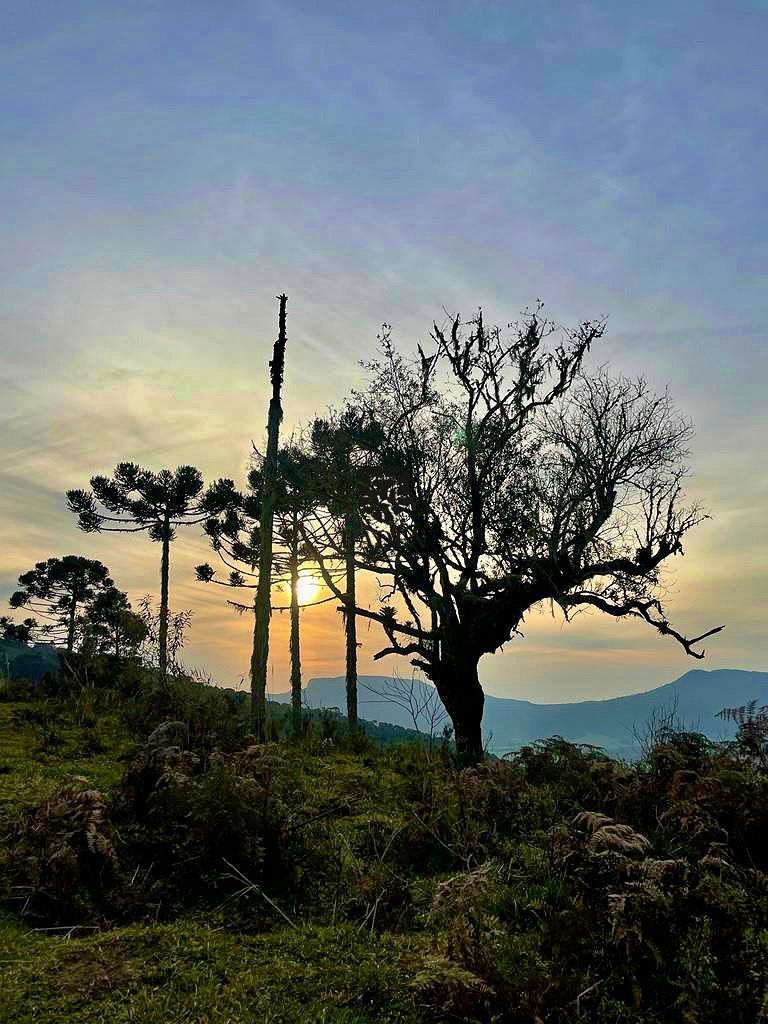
(136,500)
(346,465)
(262,607)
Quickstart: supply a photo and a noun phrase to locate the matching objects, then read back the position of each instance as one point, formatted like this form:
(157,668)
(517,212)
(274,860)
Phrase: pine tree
(21,632)
(346,467)
(235,535)
(59,591)
(110,626)
(137,500)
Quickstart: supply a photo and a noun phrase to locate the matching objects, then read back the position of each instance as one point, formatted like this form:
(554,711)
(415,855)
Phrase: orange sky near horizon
(592,657)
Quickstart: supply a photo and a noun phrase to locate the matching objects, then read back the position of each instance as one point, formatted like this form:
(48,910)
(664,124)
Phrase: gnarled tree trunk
(457,682)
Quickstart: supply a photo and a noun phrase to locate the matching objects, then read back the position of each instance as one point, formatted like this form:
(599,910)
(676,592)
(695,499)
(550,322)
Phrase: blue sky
(168,168)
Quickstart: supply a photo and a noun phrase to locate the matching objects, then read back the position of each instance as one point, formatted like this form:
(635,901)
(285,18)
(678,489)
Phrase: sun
(306,588)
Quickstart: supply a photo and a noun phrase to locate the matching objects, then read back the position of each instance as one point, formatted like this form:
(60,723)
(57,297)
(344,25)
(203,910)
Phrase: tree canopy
(136,500)
(516,476)
(58,590)
(20,632)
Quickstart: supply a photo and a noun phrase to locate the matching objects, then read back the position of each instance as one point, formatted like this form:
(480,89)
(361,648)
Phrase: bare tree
(176,628)
(419,700)
(262,606)
(515,478)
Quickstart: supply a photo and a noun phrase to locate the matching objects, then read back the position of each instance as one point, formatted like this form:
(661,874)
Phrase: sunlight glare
(306,588)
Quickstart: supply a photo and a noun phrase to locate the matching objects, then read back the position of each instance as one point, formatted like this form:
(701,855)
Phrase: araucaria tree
(20,632)
(110,626)
(347,468)
(136,500)
(522,478)
(59,591)
(235,536)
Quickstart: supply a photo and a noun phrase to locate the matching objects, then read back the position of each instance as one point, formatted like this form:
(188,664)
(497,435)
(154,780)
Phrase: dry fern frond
(661,872)
(460,892)
(445,988)
(606,834)
(591,821)
(619,839)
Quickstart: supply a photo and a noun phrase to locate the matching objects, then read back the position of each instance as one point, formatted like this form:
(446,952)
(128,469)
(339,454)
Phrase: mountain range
(615,724)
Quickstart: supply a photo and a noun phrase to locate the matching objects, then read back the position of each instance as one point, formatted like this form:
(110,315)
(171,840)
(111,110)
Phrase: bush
(553,885)
(213,720)
(15,690)
(64,858)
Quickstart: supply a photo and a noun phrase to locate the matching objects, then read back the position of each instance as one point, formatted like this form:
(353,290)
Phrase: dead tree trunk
(263,593)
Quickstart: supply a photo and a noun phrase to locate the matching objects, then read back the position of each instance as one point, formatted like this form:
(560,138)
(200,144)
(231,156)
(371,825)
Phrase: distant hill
(698,696)
(18,661)
(387,734)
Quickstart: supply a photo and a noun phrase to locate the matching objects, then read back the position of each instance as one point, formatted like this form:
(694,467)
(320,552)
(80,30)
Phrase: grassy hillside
(199,877)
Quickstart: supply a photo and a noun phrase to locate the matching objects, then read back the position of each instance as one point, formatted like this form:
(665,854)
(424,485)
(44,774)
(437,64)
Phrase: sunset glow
(288,147)
(307,588)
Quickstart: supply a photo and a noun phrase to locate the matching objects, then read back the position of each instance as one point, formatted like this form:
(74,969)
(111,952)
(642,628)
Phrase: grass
(188,973)
(388,886)
(28,774)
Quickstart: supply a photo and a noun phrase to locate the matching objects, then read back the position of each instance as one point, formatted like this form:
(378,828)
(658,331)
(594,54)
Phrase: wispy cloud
(377,166)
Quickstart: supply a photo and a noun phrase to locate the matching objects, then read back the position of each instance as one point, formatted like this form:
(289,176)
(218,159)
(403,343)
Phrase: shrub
(213,720)
(64,858)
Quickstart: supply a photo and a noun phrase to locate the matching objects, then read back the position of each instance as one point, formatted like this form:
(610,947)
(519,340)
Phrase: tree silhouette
(110,626)
(136,500)
(235,535)
(346,467)
(21,632)
(176,634)
(521,479)
(262,604)
(58,590)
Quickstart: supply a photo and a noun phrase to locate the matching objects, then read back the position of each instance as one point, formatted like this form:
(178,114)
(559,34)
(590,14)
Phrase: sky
(167,168)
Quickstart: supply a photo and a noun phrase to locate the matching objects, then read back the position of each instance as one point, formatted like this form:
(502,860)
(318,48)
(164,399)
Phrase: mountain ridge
(613,723)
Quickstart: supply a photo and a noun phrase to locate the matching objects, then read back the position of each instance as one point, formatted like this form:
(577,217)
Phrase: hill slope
(21,662)
(698,696)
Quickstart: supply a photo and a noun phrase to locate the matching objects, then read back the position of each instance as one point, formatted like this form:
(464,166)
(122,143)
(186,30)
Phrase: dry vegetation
(179,871)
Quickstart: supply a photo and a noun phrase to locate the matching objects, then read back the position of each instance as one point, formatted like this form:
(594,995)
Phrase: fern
(753,726)
(605,834)
(747,715)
